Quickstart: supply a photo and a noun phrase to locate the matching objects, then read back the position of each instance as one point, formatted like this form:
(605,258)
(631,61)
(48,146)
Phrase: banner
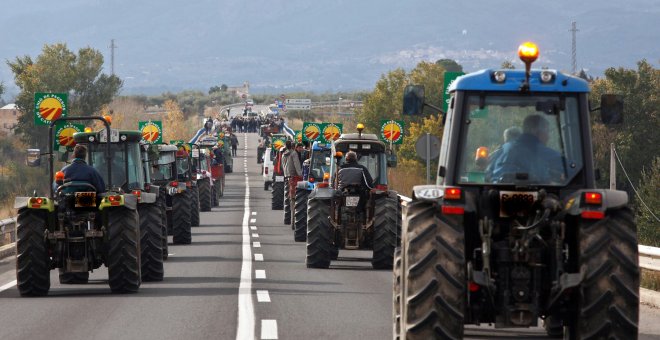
(277,143)
(391,131)
(449,78)
(330,132)
(311,131)
(64,135)
(299,136)
(152,131)
(48,107)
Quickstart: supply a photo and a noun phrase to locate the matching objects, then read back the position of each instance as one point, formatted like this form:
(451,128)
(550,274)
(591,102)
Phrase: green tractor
(77,230)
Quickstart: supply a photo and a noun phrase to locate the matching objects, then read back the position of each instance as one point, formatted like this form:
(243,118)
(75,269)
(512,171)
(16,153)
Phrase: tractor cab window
(125,162)
(318,166)
(182,166)
(520,140)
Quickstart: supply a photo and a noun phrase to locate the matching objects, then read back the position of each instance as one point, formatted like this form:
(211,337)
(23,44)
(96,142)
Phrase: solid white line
(246,322)
(269,329)
(259,257)
(254,227)
(256,244)
(260,274)
(253,220)
(7,286)
(262,296)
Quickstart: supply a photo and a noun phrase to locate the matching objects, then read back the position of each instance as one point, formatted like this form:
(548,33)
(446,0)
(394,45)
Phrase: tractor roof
(131,136)
(357,137)
(483,81)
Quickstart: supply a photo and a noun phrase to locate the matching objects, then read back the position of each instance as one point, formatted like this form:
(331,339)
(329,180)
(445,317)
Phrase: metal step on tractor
(316,169)
(515,230)
(347,214)
(78,228)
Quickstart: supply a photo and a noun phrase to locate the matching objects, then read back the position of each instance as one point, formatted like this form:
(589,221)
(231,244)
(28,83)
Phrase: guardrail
(8,231)
(649,257)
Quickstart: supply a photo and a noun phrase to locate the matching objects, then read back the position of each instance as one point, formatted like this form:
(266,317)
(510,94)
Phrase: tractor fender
(23,202)
(612,199)
(322,193)
(148,197)
(436,193)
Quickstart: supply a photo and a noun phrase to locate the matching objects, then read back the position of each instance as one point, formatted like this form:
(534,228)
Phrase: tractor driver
(528,155)
(79,170)
(354,173)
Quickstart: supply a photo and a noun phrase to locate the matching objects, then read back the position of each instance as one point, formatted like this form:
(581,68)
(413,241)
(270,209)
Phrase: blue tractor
(316,169)
(515,229)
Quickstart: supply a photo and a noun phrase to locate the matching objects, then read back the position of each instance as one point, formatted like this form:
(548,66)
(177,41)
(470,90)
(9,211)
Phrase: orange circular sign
(65,137)
(150,133)
(50,109)
(392,131)
(331,132)
(312,132)
(278,144)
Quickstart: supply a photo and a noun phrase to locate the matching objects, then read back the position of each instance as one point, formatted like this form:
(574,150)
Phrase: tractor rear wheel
(300,215)
(151,242)
(123,259)
(194,214)
(32,261)
(433,278)
(277,199)
(73,278)
(205,195)
(608,299)
(181,213)
(320,247)
(287,204)
(386,232)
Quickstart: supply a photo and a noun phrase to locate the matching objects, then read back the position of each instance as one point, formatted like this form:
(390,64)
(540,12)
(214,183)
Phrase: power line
(633,187)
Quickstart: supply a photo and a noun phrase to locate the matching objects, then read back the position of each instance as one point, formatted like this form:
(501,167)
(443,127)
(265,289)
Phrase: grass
(406,175)
(650,280)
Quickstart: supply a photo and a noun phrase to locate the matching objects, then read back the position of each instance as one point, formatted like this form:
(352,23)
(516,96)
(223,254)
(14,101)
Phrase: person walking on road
(293,168)
(234,144)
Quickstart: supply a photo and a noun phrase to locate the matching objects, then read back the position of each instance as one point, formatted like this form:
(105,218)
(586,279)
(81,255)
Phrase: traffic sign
(298,101)
(427,146)
(298,106)
(48,107)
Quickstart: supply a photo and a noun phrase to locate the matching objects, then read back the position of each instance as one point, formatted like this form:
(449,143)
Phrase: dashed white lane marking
(260,274)
(268,329)
(259,257)
(7,286)
(253,220)
(254,227)
(246,322)
(255,235)
(256,244)
(262,296)
(254,213)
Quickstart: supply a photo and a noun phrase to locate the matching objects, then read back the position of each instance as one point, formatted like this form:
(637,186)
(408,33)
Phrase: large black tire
(32,261)
(396,294)
(194,213)
(181,212)
(320,247)
(433,277)
(151,242)
(300,215)
(277,199)
(205,195)
(386,232)
(266,185)
(123,258)
(287,204)
(73,278)
(608,299)
(162,205)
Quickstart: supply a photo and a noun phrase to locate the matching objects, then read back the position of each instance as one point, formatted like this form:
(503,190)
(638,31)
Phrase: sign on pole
(152,131)
(64,135)
(391,131)
(278,143)
(48,107)
(330,132)
(449,78)
(311,131)
(299,136)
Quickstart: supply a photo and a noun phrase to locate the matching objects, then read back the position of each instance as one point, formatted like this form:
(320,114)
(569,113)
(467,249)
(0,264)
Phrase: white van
(267,168)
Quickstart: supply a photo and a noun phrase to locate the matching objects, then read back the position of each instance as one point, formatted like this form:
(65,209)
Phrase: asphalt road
(242,275)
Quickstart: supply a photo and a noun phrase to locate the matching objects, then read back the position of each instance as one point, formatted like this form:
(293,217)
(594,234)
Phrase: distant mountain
(323,45)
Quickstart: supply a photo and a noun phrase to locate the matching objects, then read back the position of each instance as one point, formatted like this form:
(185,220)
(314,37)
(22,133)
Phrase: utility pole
(112,56)
(574,30)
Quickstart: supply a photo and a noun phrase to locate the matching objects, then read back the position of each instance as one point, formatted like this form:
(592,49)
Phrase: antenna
(573,31)
(112,56)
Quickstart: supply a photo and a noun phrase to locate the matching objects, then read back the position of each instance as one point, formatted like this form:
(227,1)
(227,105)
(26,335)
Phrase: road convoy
(513,231)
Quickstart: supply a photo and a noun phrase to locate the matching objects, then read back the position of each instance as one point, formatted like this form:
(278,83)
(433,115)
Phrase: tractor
(150,156)
(316,169)
(77,227)
(515,231)
(213,170)
(278,186)
(348,215)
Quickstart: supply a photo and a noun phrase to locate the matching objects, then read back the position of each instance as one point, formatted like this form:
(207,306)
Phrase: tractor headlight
(499,76)
(91,139)
(123,138)
(547,76)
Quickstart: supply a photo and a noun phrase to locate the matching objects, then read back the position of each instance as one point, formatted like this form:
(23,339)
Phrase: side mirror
(611,109)
(413,100)
(391,161)
(33,157)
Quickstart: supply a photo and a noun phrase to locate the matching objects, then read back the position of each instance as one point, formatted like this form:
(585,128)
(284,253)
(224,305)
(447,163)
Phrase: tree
(648,212)
(450,65)
(57,69)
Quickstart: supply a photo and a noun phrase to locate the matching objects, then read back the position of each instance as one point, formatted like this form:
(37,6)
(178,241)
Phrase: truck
(515,229)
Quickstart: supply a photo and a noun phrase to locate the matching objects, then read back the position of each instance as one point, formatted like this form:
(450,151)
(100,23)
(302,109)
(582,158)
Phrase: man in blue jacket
(78,170)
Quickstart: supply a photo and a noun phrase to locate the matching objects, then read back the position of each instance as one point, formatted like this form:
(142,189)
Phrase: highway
(243,277)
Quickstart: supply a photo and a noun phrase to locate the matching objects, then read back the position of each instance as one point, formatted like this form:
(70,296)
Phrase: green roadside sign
(152,131)
(391,131)
(49,106)
(449,78)
(311,131)
(330,132)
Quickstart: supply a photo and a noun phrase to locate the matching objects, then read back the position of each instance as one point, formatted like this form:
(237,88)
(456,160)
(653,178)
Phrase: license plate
(516,198)
(85,199)
(352,201)
(279,178)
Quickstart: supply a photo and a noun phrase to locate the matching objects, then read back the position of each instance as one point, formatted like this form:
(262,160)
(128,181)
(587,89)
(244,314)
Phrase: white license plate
(516,197)
(279,178)
(352,201)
